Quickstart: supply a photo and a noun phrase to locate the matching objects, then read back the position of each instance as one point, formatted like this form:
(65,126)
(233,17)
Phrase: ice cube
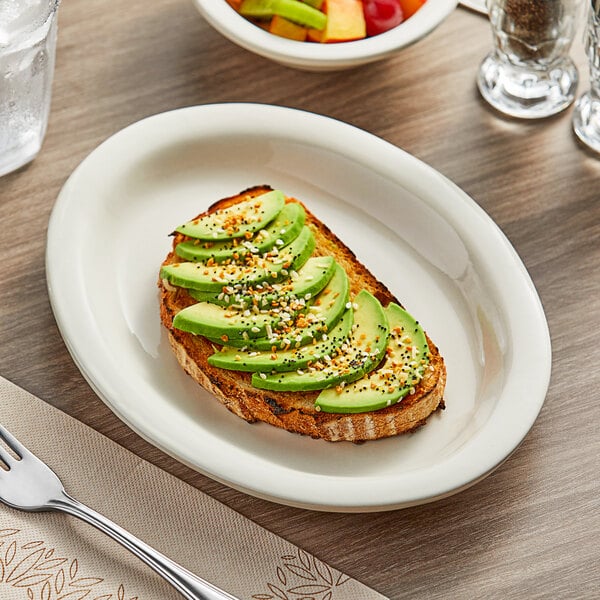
(18,17)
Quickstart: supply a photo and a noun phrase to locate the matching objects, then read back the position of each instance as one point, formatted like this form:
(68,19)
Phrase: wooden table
(531,529)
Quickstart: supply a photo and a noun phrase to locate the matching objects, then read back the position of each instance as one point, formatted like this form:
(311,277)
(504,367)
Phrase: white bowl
(323,57)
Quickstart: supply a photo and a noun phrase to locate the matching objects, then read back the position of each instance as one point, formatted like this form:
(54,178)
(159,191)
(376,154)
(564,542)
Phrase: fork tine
(5,458)
(12,442)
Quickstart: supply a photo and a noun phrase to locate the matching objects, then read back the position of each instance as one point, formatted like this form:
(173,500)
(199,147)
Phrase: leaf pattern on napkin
(35,570)
(301,576)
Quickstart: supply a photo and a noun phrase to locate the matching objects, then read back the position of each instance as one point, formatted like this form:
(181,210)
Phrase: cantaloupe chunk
(284,28)
(314,35)
(410,7)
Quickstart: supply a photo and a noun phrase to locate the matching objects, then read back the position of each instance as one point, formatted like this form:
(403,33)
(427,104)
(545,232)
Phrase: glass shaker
(529,73)
(586,116)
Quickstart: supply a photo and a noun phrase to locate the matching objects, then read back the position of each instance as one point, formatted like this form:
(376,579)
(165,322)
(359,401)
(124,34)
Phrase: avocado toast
(271,312)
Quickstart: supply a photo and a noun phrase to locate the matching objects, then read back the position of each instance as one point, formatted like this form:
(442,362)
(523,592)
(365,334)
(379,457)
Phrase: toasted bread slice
(296,411)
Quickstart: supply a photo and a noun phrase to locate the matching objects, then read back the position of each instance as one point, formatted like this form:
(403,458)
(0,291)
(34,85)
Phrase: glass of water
(529,73)
(27,49)
(586,116)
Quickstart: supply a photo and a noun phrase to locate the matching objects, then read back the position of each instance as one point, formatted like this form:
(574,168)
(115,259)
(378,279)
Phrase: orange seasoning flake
(301,322)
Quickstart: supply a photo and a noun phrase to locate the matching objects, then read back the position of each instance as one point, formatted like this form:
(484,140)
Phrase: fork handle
(189,585)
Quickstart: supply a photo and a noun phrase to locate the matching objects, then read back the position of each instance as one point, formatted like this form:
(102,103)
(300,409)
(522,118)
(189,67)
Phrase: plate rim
(293,118)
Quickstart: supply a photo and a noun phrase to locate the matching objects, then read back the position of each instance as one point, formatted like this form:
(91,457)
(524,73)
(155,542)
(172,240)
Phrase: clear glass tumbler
(27,49)
(529,73)
(586,116)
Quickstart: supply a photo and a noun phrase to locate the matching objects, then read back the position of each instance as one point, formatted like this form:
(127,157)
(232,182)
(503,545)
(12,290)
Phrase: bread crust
(295,411)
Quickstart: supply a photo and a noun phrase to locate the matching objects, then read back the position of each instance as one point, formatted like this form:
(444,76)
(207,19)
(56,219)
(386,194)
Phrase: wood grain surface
(529,530)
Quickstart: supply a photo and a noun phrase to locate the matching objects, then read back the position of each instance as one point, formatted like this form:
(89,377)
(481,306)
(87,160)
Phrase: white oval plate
(419,233)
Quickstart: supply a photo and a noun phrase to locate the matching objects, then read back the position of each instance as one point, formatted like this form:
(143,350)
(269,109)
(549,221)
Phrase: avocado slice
(407,356)
(310,279)
(280,232)
(284,360)
(214,277)
(218,322)
(361,353)
(238,220)
(300,13)
(306,326)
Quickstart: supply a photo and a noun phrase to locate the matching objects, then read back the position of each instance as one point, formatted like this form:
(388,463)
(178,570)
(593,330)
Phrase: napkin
(53,556)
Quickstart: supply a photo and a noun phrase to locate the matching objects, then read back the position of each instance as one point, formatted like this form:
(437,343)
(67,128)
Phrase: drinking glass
(27,49)
(529,73)
(586,116)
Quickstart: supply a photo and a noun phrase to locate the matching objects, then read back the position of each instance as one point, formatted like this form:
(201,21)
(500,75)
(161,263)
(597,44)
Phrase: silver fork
(30,485)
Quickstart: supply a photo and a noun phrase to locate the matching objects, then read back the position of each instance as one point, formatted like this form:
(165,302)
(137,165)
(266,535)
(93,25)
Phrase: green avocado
(298,12)
(361,353)
(214,277)
(216,322)
(406,358)
(285,316)
(237,220)
(280,232)
(310,322)
(309,280)
(284,360)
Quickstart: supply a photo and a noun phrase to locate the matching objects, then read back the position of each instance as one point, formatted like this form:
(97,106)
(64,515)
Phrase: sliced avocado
(280,232)
(310,279)
(300,13)
(284,360)
(237,220)
(407,356)
(214,277)
(304,326)
(361,353)
(217,322)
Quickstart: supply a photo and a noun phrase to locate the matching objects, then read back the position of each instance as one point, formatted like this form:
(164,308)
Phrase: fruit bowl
(312,56)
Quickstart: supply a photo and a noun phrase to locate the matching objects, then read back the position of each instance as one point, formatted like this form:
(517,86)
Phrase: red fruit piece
(382,15)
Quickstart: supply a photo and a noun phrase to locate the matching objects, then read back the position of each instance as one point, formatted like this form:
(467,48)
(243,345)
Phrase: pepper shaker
(529,73)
